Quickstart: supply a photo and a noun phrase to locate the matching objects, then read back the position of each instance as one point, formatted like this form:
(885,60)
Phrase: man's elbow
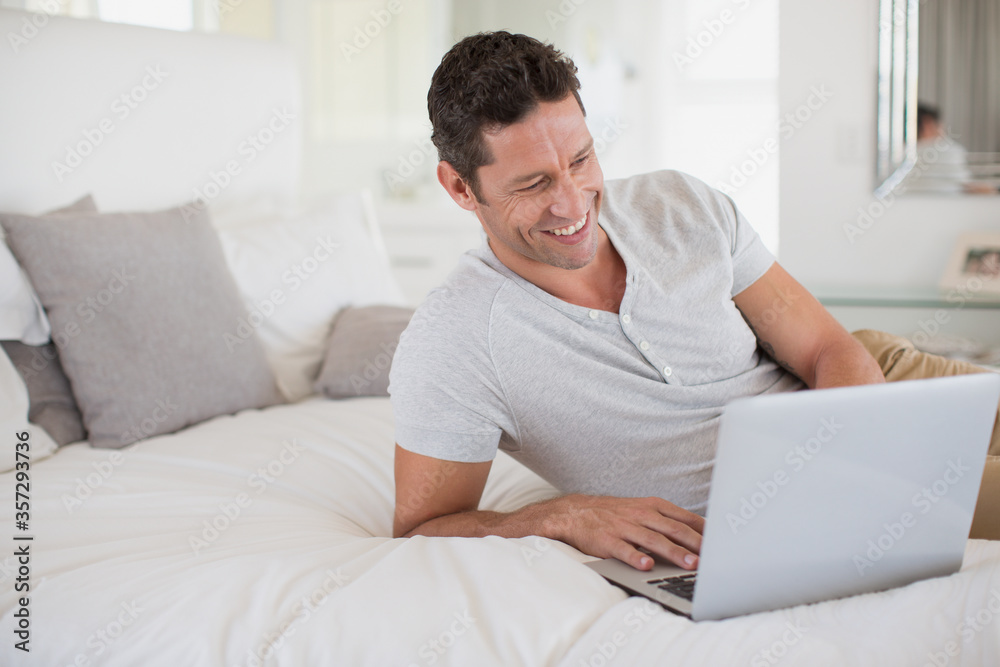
(407,522)
(848,363)
(402,527)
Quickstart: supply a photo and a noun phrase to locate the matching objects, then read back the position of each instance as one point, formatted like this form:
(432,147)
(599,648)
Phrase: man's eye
(581,160)
(533,186)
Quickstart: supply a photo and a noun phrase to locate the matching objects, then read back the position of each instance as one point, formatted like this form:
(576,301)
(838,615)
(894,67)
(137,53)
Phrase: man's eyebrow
(586,149)
(532,176)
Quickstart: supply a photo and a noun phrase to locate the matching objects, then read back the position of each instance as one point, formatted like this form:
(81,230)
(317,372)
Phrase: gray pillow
(50,398)
(146,318)
(84,204)
(359,351)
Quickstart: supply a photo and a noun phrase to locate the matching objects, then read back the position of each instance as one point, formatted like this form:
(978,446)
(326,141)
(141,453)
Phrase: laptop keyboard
(682,585)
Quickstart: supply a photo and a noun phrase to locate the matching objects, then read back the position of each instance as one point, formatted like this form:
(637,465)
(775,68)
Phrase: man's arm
(801,335)
(441,498)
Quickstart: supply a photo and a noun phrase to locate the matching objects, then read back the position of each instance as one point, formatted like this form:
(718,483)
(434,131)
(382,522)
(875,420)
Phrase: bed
(215,531)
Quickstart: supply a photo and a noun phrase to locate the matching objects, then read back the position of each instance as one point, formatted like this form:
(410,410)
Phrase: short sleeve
(751,258)
(446,400)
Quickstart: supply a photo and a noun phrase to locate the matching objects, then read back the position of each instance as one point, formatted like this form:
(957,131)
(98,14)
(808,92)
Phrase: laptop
(827,493)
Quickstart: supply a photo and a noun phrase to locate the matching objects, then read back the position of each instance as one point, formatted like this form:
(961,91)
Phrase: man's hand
(440,498)
(610,527)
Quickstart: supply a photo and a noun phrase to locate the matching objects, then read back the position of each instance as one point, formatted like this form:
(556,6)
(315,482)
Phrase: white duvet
(261,539)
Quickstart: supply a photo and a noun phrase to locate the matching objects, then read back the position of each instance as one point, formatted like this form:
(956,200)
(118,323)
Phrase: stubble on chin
(561,261)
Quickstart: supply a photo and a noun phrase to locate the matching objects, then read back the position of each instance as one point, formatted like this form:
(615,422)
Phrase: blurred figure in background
(942,163)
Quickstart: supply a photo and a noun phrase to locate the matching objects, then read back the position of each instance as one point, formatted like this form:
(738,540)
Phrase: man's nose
(569,200)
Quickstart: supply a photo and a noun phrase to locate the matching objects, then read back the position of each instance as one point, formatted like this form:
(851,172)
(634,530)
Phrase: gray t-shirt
(624,404)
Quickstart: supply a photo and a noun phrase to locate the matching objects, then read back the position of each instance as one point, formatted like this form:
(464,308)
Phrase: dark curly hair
(489,81)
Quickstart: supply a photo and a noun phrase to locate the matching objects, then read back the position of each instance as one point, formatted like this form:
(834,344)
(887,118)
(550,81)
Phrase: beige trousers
(901,361)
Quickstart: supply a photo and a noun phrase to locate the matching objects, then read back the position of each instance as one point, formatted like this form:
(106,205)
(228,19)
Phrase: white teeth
(572,229)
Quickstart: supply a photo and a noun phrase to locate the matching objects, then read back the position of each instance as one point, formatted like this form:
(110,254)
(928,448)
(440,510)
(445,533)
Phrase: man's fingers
(677,532)
(678,525)
(661,546)
(619,527)
(672,511)
(627,553)
(697,522)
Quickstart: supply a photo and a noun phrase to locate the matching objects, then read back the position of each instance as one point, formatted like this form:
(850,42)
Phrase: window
(172,14)
(169,14)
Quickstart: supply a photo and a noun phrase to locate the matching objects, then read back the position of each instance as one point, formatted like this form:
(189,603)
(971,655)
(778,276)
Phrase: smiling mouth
(569,230)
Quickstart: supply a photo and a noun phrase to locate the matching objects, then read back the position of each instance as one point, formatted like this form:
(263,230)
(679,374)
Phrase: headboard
(142,118)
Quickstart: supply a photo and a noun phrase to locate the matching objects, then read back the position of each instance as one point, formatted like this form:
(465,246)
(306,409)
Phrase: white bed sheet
(302,573)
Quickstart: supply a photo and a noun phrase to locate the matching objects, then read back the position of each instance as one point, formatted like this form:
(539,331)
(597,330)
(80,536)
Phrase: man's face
(929,129)
(540,197)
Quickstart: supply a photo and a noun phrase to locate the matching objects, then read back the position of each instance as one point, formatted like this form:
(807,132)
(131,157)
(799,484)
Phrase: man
(599,333)
(942,163)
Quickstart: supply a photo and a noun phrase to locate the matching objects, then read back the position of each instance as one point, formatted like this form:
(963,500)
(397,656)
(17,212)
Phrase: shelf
(903,298)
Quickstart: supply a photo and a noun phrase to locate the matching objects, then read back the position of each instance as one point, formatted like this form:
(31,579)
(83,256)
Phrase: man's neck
(599,285)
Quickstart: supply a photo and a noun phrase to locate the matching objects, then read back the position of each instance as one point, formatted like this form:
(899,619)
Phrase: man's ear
(456,186)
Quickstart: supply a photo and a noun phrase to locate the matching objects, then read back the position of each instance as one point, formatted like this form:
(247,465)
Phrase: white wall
(364,130)
(827,165)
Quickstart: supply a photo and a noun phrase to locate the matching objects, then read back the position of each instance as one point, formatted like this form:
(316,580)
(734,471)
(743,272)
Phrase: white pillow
(21,315)
(14,418)
(295,273)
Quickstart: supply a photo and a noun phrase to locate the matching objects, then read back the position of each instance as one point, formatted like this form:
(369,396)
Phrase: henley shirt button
(593,314)
(644,345)
(626,319)
(667,371)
